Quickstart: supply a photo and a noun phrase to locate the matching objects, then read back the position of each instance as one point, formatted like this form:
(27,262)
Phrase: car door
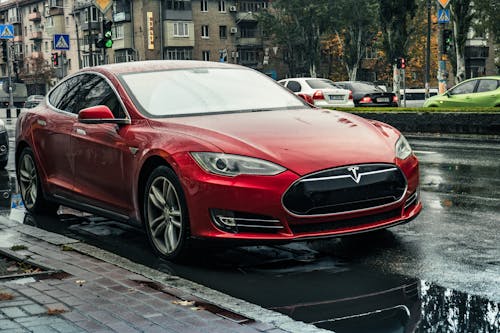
(52,137)
(486,93)
(101,156)
(461,95)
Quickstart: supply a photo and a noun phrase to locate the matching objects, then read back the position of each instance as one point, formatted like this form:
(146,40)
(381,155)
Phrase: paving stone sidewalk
(81,293)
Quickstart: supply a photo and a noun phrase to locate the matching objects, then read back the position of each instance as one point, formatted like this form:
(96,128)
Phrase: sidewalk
(85,289)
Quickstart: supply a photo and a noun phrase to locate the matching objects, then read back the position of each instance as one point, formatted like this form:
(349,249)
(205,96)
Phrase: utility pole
(428,52)
(9,73)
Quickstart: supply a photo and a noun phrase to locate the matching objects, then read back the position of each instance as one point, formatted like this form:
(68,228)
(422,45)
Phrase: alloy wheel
(28,181)
(164,215)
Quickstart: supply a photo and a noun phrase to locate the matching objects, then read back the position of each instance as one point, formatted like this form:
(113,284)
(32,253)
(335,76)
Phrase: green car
(479,91)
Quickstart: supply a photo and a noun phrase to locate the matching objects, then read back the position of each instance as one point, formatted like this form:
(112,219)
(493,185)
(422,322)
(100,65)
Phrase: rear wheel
(165,214)
(29,184)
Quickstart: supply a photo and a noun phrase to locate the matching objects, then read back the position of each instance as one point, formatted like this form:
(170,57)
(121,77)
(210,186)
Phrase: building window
(126,55)
(204,31)
(118,31)
(178,4)
(181,29)
(49,22)
(67,20)
(222,6)
(46,46)
(205,55)
(204,5)
(248,32)
(248,56)
(223,32)
(92,14)
(179,53)
(96,58)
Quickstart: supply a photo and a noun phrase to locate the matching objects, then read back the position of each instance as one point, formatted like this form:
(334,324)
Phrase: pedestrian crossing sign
(6,31)
(443,15)
(61,42)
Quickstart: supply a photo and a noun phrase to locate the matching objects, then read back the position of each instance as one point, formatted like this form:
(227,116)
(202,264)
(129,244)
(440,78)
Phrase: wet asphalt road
(439,273)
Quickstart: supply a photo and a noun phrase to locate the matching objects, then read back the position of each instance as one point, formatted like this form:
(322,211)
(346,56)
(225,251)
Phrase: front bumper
(253,210)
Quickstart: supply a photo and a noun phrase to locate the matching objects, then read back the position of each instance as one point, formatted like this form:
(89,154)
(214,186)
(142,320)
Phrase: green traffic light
(108,43)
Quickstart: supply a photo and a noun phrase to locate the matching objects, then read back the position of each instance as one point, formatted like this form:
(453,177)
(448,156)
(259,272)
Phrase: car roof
(158,65)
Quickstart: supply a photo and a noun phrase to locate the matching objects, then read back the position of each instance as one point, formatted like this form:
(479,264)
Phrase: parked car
(479,91)
(33,100)
(224,166)
(368,94)
(4,145)
(415,97)
(322,92)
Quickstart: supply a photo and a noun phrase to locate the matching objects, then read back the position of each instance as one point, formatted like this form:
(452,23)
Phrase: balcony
(14,19)
(245,17)
(36,35)
(249,41)
(36,16)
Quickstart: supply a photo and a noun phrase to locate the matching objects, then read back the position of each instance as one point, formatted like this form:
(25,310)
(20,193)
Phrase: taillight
(366,99)
(318,95)
(350,95)
(394,99)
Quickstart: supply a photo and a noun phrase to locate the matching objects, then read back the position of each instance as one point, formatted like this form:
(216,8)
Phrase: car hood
(303,141)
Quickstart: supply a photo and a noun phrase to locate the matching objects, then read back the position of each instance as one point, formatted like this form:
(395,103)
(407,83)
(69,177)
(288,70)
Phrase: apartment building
(210,30)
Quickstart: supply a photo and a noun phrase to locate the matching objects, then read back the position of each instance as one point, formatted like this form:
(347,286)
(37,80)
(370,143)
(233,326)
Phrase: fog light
(224,219)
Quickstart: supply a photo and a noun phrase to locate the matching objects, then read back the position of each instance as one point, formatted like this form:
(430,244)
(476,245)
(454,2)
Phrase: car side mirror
(99,114)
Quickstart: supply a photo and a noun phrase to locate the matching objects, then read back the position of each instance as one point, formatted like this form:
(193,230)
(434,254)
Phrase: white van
(415,97)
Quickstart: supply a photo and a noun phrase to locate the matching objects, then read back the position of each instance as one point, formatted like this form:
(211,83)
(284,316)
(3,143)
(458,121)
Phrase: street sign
(444,3)
(443,15)
(61,42)
(6,31)
(103,5)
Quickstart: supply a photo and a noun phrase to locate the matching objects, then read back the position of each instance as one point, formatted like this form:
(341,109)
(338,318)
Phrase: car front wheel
(165,214)
(29,184)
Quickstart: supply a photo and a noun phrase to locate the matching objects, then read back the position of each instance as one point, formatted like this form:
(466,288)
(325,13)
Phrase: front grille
(345,189)
(342,224)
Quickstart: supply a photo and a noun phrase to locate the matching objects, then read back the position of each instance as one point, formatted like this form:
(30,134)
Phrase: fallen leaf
(53,312)
(183,303)
(6,297)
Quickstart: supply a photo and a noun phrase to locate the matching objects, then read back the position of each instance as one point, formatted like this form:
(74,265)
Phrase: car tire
(165,215)
(30,185)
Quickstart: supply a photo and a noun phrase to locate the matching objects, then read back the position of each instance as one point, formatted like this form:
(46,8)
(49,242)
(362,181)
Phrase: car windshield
(366,87)
(206,90)
(320,84)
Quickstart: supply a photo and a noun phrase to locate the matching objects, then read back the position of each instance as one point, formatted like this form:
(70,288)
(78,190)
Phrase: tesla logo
(354,174)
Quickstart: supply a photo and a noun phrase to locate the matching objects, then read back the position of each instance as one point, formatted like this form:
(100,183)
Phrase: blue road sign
(61,42)
(6,31)
(443,15)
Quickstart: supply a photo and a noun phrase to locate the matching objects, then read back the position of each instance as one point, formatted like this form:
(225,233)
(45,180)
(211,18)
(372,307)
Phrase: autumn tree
(395,17)
(462,15)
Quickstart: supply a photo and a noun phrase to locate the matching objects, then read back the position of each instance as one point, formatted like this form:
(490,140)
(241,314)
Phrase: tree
(395,17)
(352,30)
(298,26)
(462,15)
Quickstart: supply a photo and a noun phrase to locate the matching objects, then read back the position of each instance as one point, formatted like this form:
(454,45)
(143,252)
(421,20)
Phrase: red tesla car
(203,150)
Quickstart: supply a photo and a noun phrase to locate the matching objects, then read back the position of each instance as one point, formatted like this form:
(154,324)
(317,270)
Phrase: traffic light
(15,66)
(55,59)
(5,56)
(401,63)
(107,34)
(447,40)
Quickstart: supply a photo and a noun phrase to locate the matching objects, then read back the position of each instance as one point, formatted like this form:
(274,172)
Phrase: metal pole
(9,73)
(89,21)
(428,52)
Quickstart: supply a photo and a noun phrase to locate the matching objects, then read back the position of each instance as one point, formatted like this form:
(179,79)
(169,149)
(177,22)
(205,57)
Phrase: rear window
(320,84)
(366,87)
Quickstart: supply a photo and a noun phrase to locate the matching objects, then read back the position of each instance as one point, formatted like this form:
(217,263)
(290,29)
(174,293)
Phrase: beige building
(210,30)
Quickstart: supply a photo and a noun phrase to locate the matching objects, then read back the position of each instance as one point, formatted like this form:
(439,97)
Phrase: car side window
(65,93)
(99,92)
(293,86)
(464,88)
(486,85)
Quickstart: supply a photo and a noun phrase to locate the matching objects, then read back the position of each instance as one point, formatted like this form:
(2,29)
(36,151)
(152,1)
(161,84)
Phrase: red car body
(102,166)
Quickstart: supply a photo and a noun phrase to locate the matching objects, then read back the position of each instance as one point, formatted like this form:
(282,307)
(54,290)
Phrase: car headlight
(403,148)
(233,165)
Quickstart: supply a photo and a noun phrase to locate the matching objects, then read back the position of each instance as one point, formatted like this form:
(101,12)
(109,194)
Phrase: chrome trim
(349,176)
(349,211)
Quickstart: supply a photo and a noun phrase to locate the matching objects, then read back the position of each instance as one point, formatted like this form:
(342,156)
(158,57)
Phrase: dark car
(368,94)
(4,145)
